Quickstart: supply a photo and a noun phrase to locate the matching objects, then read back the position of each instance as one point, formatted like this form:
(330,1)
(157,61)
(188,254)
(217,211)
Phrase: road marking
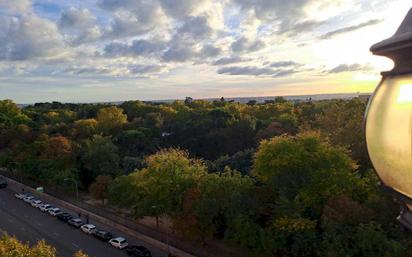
(56,234)
(75,245)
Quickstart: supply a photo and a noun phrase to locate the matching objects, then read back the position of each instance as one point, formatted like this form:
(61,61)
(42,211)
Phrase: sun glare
(405,94)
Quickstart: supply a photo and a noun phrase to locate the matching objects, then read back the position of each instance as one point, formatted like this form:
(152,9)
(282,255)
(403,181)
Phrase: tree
(10,118)
(11,247)
(241,161)
(10,114)
(99,156)
(99,189)
(47,159)
(342,122)
(159,189)
(212,204)
(280,99)
(305,168)
(85,128)
(111,119)
(136,142)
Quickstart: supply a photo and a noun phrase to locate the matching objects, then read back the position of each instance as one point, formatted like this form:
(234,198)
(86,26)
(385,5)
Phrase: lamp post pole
(75,186)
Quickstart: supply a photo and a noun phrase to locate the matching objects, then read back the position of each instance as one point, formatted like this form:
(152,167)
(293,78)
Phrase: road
(29,224)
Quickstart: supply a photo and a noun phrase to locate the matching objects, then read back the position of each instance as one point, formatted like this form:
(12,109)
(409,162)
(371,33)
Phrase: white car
(36,203)
(28,199)
(45,207)
(119,242)
(55,211)
(20,196)
(88,228)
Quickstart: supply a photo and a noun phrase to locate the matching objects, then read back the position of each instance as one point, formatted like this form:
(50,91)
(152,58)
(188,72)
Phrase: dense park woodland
(277,179)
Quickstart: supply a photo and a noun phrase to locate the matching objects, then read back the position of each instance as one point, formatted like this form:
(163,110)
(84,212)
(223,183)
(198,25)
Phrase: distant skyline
(116,50)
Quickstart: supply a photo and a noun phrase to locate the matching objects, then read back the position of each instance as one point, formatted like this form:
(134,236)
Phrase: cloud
(196,27)
(290,15)
(284,64)
(132,17)
(334,33)
(180,8)
(296,28)
(76,18)
(284,73)
(178,54)
(351,67)
(210,51)
(25,37)
(231,60)
(256,71)
(146,69)
(244,45)
(16,5)
(180,49)
(78,26)
(136,48)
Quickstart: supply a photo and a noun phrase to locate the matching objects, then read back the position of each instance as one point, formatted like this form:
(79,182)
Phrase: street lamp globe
(388,120)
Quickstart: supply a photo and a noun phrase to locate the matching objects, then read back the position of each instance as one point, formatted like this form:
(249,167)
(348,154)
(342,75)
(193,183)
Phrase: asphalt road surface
(29,224)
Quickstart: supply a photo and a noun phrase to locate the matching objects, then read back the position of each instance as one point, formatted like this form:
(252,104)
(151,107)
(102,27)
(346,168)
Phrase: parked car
(64,216)
(28,198)
(20,196)
(36,203)
(89,229)
(45,207)
(55,211)
(3,182)
(102,235)
(138,251)
(119,242)
(77,223)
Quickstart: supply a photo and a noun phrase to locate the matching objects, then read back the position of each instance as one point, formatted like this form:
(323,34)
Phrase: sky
(116,50)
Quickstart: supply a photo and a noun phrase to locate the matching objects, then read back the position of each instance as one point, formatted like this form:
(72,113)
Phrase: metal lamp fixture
(388,122)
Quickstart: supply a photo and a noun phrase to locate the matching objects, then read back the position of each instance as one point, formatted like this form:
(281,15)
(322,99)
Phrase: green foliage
(10,114)
(100,156)
(210,207)
(367,239)
(111,119)
(86,128)
(241,161)
(299,194)
(305,169)
(159,188)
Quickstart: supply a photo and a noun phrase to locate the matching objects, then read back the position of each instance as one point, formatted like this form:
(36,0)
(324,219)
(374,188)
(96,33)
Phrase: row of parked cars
(117,242)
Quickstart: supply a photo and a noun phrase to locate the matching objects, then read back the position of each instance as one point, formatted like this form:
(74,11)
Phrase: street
(29,224)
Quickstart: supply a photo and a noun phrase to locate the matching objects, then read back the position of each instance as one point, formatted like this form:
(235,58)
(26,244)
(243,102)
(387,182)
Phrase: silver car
(45,207)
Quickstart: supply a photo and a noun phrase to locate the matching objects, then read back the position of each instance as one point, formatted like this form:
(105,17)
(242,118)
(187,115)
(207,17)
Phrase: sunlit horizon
(106,50)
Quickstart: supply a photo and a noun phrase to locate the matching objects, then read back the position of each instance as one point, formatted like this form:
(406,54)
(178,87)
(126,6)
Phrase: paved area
(29,224)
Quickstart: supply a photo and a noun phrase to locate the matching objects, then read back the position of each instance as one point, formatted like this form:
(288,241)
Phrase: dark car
(3,182)
(77,223)
(102,235)
(138,251)
(64,216)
